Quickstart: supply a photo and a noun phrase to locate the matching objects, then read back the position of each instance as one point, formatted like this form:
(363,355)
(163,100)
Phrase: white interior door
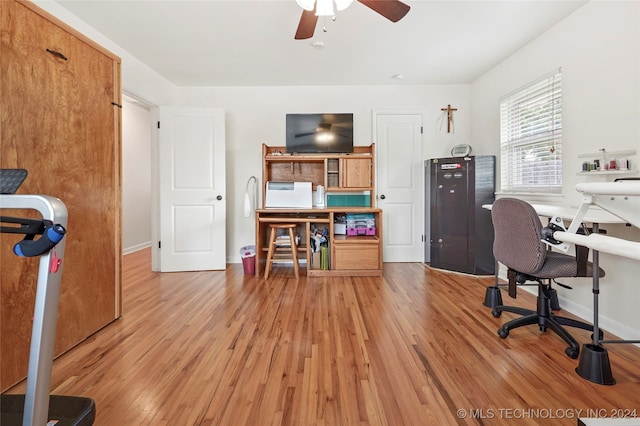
(192,189)
(400,185)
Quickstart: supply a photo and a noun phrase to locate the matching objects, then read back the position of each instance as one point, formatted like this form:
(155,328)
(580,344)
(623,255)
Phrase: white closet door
(192,189)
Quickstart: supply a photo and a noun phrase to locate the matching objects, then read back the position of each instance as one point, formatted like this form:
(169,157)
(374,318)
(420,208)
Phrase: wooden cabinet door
(60,121)
(356,256)
(356,173)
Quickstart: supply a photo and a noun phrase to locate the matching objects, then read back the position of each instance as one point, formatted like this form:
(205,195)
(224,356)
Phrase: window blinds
(531,136)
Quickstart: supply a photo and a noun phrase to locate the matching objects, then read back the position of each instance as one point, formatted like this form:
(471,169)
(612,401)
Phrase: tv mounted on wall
(319,133)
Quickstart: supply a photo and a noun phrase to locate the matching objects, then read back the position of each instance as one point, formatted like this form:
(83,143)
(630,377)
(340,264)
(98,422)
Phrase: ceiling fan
(393,10)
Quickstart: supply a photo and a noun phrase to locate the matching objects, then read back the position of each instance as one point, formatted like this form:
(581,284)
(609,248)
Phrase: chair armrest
(513,285)
(582,253)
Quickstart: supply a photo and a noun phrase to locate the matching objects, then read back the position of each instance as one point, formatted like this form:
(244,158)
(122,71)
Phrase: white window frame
(531,137)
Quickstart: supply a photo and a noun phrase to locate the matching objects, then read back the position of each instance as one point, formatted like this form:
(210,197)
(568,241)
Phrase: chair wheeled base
(544,318)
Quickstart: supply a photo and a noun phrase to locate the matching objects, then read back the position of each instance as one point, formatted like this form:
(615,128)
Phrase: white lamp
(247,201)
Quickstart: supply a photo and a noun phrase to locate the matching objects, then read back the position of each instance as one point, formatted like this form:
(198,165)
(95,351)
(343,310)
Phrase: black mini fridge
(460,229)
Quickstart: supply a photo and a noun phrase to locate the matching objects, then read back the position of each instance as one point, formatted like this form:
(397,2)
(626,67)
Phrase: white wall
(598,48)
(256,115)
(136,176)
(141,82)
(137,78)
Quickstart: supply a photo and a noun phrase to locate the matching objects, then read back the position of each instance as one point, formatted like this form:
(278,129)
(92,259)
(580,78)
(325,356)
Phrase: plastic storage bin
(248,254)
(361,231)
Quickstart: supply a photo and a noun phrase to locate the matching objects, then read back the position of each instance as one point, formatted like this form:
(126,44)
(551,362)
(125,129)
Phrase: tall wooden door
(60,121)
(192,189)
(400,185)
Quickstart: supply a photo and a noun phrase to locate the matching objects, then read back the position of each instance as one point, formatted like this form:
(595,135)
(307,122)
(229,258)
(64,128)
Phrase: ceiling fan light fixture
(393,10)
(324,8)
(343,4)
(306,4)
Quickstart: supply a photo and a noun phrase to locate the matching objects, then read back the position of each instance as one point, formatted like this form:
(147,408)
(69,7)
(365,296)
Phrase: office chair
(518,245)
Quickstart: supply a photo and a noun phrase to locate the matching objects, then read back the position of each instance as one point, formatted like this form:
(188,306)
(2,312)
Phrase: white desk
(594,215)
(612,203)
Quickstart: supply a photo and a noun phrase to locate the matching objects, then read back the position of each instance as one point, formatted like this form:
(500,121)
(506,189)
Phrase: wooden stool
(274,252)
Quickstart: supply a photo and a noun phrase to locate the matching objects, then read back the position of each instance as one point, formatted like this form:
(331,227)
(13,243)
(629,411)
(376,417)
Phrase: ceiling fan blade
(393,10)
(307,25)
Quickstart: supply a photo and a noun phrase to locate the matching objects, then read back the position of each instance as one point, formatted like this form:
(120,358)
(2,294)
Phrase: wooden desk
(349,255)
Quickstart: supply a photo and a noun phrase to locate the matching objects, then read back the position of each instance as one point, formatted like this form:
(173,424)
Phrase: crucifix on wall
(449,110)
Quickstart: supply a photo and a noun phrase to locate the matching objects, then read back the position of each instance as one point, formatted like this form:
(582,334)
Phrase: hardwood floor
(414,347)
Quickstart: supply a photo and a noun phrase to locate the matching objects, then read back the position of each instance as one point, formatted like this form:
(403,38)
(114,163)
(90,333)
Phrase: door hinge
(158,124)
(159,244)
(421,130)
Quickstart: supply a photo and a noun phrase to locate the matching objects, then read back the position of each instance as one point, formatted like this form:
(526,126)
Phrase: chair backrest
(517,235)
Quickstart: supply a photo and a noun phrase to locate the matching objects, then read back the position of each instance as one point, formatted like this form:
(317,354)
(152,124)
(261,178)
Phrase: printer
(282,195)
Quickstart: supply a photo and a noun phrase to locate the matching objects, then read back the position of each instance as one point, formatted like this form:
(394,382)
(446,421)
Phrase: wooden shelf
(364,239)
(336,172)
(294,158)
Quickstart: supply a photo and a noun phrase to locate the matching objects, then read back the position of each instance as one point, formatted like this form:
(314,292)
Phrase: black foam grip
(29,247)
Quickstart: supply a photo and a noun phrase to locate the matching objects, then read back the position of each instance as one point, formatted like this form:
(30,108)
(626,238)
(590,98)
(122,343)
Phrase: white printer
(281,195)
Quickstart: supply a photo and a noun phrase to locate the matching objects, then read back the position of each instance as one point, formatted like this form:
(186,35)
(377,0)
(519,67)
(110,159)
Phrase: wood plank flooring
(414,347)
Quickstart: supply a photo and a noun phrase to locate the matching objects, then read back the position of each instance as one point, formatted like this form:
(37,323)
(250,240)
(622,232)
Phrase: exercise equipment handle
(51,236)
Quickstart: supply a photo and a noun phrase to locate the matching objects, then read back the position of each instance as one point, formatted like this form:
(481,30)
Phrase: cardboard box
(315,260)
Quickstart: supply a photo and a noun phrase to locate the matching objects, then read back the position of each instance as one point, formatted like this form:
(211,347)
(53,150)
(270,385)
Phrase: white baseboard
(138,247)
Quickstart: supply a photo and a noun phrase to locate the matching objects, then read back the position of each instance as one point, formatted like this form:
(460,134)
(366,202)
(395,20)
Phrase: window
(531,137)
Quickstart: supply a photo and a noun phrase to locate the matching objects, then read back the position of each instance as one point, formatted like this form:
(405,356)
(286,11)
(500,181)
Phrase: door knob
(382,197)
(219,197)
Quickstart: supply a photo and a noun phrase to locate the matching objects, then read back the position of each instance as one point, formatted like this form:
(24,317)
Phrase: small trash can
(248,254)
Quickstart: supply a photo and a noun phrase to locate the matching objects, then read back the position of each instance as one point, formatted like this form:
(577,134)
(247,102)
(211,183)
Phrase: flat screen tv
(319,133)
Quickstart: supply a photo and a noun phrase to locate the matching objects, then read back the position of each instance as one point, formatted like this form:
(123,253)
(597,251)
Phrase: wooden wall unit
(338,173)
(61,120)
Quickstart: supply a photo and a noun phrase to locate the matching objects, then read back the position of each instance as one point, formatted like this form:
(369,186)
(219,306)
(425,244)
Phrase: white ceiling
(250,43)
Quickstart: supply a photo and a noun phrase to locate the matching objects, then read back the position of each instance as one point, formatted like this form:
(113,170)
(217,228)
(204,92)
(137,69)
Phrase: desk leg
(259,243)
(594,362)
(492,295)
(596,291)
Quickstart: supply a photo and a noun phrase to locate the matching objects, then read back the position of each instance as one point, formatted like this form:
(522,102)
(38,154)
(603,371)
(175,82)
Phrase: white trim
(531,83)
(137,247)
